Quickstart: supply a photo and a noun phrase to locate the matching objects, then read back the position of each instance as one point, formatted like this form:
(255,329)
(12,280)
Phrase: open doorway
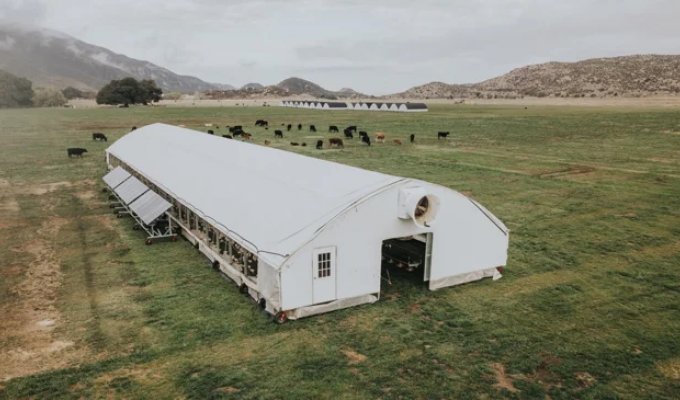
(406,261)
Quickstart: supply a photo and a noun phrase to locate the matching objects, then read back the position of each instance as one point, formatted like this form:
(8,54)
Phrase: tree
(15,91)
(73,93)
(129,91)
(47,97)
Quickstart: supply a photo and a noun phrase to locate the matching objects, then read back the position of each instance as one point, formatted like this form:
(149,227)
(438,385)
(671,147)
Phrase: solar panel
(115,177)
(130,189)
(149,206)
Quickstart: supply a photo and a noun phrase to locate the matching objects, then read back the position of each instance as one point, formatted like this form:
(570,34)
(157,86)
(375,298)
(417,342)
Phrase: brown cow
(380,137)
(336,142)
(397,142)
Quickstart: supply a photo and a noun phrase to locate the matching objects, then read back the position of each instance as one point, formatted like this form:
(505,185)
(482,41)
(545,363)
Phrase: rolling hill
(631,76)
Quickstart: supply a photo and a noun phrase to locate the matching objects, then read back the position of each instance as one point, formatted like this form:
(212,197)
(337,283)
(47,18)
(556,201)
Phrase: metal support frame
(154,230)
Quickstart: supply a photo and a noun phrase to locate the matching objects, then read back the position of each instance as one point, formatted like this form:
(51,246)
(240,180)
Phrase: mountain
(297,86)
(632,76)
(252,86)
(50,58)
(291,87)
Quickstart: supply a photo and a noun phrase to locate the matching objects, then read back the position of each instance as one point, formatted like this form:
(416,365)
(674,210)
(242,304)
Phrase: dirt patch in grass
(503,381)
(29,344)
(585,380)
(353,357)
(9,204)
(571,170)
(228,390)
(670,368)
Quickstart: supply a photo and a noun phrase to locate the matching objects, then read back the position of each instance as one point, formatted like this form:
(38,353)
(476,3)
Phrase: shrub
(48,97)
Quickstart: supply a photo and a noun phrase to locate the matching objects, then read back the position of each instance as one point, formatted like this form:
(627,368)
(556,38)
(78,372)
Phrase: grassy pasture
(589,306)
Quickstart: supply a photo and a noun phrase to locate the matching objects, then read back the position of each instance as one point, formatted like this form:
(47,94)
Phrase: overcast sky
(378,47)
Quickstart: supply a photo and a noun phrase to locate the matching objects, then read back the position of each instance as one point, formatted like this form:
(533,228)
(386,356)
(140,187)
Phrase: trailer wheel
(135,227)
(104,190)
(243,288)
(262,303)
(148,242)
(281,317)
(216,265)
(174,238)
(119,215)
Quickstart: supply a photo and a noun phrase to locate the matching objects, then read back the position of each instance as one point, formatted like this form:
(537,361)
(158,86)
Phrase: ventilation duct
(418,205)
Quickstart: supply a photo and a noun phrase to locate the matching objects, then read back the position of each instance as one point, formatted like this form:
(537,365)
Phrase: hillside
(632,76)
(50,58)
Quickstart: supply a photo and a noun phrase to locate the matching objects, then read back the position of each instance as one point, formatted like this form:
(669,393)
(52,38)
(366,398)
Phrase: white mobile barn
(302,235)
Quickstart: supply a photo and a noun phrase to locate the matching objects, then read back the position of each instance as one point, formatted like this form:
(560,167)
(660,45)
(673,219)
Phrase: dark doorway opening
(405,263)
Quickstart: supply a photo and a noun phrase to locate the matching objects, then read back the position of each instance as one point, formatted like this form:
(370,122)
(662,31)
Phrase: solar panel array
(141,200)
(115,177)
(150,206)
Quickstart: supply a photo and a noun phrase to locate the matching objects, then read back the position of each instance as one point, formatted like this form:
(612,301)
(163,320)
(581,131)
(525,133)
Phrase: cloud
(29,12)
(376,46)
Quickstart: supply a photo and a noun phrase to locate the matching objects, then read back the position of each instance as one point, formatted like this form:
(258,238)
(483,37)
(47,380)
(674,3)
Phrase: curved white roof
(275,200)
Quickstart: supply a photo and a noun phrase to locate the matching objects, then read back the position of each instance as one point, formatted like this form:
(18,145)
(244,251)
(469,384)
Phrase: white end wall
(464,240)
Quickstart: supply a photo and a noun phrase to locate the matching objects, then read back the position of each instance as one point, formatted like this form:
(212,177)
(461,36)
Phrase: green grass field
(589,306)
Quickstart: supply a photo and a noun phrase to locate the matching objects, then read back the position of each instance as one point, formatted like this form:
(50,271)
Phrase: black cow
(99,136)
(299,127)
(442,135)
(261,122)
(288,128)
(366,139)
(319,144)
(235,128)
(304,144)
(133,128)
(412,138)
(210,131)
(363,133)
(336,142)
(75,151)
(333,128)
(352,128)
(278,133)
(294,143)
(312,128)
(227,136)
(348,134)
(238,133)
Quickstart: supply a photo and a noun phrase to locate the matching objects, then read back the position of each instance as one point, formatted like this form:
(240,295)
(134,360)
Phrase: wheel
(262,303)
(281,317)
(148,242)
(243,288)
(135,227)
(119,215)
(174,238)
(216,265)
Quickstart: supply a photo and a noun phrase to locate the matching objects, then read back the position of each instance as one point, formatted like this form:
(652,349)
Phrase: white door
(323,270)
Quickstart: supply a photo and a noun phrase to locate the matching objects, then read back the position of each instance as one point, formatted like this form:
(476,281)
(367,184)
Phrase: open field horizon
(652,102)
(588,307)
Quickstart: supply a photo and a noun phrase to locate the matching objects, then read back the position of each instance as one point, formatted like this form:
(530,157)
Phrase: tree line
(18,92)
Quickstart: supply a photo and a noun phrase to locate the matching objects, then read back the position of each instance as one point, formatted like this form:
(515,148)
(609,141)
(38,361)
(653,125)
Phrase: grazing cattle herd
(237,131)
